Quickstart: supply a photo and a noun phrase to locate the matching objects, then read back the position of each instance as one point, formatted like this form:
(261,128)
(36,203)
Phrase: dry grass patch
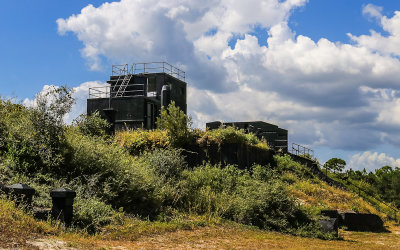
(16,227)
(241,237)
(320,194)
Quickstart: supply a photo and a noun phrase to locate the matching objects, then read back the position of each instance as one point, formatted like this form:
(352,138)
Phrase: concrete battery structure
(135,94)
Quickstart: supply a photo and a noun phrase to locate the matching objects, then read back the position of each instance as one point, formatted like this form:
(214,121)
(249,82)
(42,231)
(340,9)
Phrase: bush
(167,163)
(48,124)
(38,149)
(176,123)
(33,138)
(91,214)
(92,125)
(139,140)
(224,135)
(286,164)
(109,172)
(237,195)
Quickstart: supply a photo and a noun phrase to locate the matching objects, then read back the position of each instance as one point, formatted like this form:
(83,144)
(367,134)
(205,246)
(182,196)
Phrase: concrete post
(63,200)
(21,193)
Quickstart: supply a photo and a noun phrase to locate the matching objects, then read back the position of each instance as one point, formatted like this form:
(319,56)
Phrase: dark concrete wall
(240,155)
(362,222)
(131,112)
(156,82)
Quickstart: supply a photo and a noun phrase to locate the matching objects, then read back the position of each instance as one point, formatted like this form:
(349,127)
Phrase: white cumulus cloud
(372,10)
(340,95)
(371,161)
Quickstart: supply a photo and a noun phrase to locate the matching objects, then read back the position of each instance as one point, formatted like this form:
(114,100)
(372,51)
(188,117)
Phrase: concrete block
(329,225)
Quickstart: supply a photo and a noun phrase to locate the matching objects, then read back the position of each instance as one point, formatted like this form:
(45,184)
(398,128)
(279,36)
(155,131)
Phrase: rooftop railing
(147,68)
(108,91)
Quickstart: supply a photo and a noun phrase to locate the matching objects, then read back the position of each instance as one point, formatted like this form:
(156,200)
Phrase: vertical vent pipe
(165,96)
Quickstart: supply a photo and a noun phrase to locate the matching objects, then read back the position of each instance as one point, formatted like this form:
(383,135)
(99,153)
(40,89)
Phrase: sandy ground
(230,238)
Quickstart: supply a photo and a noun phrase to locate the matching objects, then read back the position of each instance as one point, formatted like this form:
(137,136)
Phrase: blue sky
(310,66)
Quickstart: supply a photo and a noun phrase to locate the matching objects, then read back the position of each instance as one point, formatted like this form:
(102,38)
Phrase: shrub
(225,135)
(48,124)
(33,138)
(92,125)
(237,195)
(167,163)
(286,164)
(109,172)
(138,141)
(176,123)
(91,214)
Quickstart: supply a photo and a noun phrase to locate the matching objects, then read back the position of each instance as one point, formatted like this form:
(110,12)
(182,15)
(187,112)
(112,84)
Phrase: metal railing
(108,91)
(300,150)
(147,68)
(156,67)
(99,92)
(120,70)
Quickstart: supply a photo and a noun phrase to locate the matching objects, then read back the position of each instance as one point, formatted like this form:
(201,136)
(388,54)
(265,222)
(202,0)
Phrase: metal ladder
(124,84)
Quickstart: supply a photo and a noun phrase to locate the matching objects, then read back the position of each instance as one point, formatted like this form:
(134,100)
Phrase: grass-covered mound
(365,185)
(142,174)
(316,195)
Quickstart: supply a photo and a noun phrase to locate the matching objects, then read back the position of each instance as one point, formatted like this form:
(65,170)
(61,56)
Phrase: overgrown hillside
(133,179)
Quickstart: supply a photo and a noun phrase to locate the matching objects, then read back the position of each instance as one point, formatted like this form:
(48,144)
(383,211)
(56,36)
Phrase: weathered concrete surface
(237,154)
(333,213)
(329,225)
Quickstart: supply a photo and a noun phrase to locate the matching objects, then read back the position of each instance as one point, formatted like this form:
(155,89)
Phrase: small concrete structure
(330,226)
(63,200)
(21,193)
(334,214)
(362,222)
(331,213)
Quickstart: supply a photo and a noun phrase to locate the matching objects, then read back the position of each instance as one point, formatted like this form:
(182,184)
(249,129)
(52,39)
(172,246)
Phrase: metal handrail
(299,150)
(118,70)
(107,92)
(155,67)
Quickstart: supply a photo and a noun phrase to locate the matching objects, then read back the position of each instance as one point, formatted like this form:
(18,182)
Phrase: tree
(92,125)
(177,124)
(47,118)
(335,164)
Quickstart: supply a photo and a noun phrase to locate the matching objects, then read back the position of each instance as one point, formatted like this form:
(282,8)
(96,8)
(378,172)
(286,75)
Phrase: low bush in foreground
(248,198)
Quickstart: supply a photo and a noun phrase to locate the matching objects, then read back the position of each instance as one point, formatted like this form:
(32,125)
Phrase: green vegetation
(226,135)
(335,165)
(140,179)
(176,124)
(381,189)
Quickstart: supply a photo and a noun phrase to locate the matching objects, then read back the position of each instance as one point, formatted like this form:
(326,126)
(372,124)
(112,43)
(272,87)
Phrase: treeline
(384,182)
